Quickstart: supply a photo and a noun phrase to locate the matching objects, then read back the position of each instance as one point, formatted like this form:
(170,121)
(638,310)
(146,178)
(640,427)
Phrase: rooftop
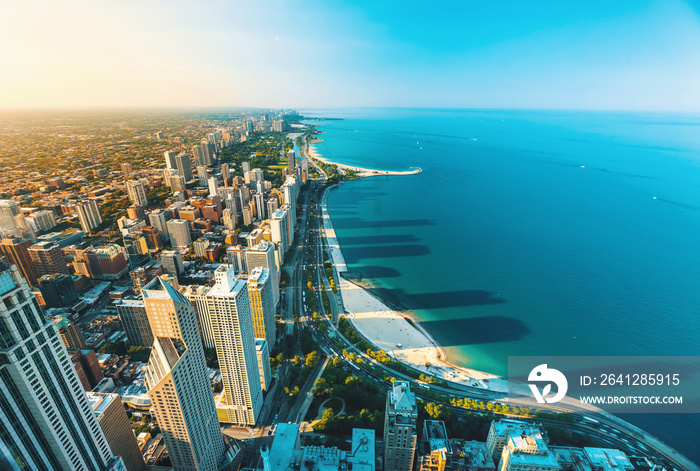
(402,398)
(283,445)
(608,458)
(100,401)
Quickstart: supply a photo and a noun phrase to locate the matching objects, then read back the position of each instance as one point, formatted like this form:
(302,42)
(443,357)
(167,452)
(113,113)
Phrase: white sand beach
(391,331)
(363,172)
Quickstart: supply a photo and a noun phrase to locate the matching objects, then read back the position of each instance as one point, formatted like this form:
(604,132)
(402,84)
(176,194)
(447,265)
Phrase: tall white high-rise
(170,161)
(137,192)
(228,307)
(178,383)
(12,222)
(46,422)
(179,230)
(88,214)
(260,206)
(213,185)
(279,225)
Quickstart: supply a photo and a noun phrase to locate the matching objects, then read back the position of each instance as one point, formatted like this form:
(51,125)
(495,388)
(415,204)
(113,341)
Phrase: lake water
(529,232)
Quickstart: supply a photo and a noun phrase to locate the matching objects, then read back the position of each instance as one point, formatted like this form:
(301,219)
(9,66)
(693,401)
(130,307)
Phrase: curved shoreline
(362,172)
(495,383)
(393,325)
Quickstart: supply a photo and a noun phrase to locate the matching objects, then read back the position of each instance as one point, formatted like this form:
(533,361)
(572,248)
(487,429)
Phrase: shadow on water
(380,239)
(398,300)
(342,212)
(461,298)
(357,223)
(476,330)
(372,271)
(353,255)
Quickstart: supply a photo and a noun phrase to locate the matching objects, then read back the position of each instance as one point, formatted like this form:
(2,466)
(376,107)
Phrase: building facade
(261,304)
(132,313)
(88,215)
(46,422)
(137,192)
(228,307)
(48,259)
(17,251)
(263,255)
(12,221)
(179,231)
(178,383)
(115,425)
(400,434)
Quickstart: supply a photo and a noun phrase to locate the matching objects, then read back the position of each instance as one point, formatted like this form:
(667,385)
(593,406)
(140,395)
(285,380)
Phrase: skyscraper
(290,200)
(132,313)
(260,206)
(196,295)
(279,225)
(400,434)
(88,214)
(136,211)
(70,333)
(272,206)
(199,156)
(179,230)
(263,353)
(263,255)
(261,304)
(170,161)
(58,291)
(159,219)
(12,222)
(172,262)
(225,173)
(184,165)
(48,259)
(137,192)
(115,425)
(126,169)
(17,252)
(178,383)
(136,249)
(228,307)
(46,422)
(291,161)
(213,184)
(41,220)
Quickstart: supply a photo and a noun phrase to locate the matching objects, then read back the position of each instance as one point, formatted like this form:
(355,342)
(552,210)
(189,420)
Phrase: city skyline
(622,56)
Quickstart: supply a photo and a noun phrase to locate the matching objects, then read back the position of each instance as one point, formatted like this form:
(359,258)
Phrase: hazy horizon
(601,56)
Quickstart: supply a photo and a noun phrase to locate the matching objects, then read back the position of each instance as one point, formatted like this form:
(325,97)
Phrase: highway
(308,254)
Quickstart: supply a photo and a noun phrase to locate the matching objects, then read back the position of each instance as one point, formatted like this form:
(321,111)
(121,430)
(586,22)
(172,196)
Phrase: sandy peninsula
(362,172)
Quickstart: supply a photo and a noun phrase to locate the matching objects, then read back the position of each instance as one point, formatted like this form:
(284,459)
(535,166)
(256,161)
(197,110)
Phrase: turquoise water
(529,233)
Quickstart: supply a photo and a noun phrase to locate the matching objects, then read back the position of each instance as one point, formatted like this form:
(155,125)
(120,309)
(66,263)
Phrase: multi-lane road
(307,254)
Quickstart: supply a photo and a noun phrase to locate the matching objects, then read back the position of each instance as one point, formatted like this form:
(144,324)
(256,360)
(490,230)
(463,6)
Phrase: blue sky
(510,54)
